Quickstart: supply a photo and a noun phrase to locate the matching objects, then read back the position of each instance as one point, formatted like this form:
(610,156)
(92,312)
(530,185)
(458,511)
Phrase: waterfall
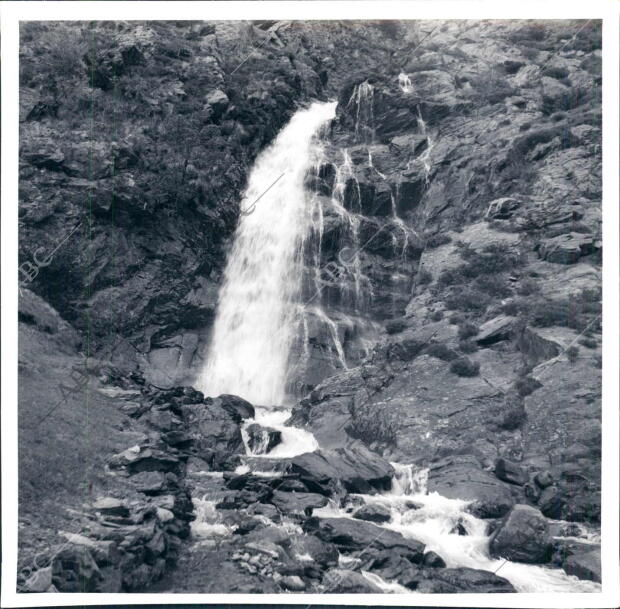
(256,317)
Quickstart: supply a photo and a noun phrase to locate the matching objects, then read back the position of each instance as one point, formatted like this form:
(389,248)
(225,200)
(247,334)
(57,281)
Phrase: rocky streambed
(195,510)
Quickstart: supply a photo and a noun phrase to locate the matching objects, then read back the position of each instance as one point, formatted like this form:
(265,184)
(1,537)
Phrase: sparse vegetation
(436,315)
(492,259)
(527,385)
(463,366)
(441,351)
(468,346)
(468,299)
(577,311)
(588,342)
(573,354)
(514,414)
(467,330)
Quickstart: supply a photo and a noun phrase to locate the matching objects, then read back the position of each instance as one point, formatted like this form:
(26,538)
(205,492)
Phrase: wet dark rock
(585,565)
(344,581)
(358,470)
(237,407)
(297,503)
(523,536)
(432,559)
(323,554)
(460,477)
(392,565)
(262,439)
(353,535)
(508,471)
(459,529)
(373,513)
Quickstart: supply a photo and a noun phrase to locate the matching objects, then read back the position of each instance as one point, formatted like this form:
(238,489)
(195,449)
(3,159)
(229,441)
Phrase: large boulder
(238,408)
(297,503)
(460,477)
(356,468)
(522,537)
(585,565)
(215,432)
(355,535)
(566,249)
(495,330)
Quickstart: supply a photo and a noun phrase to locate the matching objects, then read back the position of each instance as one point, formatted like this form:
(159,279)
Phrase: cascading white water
(255,322)
(432,519)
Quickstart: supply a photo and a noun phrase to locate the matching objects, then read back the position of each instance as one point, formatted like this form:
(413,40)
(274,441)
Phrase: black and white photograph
(310,307)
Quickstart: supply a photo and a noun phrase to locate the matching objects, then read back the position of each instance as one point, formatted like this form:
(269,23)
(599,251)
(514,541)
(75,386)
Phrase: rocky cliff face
(487,158)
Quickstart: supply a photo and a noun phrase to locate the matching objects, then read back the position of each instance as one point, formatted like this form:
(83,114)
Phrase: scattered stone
(343,581)
(149,482)
(40,580)
(298,503)
(508,471)
(543,479)
(237,407)
(75,570)
(294,583)
(373,513)
(110,506)
(522,537)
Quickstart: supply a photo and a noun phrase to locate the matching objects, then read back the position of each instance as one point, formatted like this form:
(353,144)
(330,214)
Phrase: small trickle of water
(404,83)
(362,98)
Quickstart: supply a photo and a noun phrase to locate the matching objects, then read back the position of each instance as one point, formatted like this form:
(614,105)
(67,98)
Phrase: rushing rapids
(260,316)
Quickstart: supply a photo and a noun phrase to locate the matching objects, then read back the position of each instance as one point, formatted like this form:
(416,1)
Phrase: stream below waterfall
(442,524)
(249,356)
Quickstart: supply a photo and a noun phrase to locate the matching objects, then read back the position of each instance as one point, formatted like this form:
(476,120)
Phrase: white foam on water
(255,322)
